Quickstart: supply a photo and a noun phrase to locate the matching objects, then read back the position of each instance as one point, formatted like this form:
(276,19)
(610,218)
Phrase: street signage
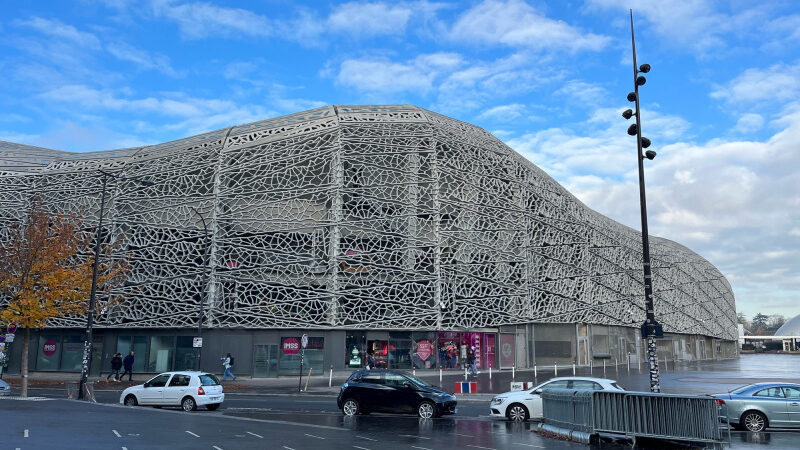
(290,346)
(304,341)
(658,330)
(2,337)
(49,348)
(12,328)
(9,338)
(197,342)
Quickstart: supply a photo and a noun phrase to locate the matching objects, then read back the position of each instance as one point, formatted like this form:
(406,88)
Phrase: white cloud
(589,94)
(503,112)
(515,23)
(388,77)
(60,30)
(366,19)
(198,20)
(780,82)
(143,59)
(749,123)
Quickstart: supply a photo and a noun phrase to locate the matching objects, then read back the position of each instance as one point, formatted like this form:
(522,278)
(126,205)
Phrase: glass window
(159,381)
(791,392)
(394,380)
(776,392)
(49,352)
(179,380)
(372,378)
(161,352)
(289,363)
(72,353)
(209,379)
(562,384)
(138,344)
(585,384)
(423,347)
(185,353)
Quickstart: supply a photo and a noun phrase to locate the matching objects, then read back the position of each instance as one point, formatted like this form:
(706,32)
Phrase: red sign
(424,349)
(291,346)
(12,328)
(49,348)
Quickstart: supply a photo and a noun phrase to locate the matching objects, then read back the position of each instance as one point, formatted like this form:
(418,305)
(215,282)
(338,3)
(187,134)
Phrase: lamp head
(640,80)
(633,129)
(645,142)
(644,68)
(650,155)
(627,114)
(631,96)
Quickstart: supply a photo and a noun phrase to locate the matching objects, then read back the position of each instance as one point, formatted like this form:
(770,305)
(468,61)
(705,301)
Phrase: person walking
(471,361)
(370,361)
(227,363)
(127,363)
(116,364)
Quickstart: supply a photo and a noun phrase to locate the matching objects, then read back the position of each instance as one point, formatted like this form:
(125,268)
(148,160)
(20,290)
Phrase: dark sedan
(758,406)
(390,391)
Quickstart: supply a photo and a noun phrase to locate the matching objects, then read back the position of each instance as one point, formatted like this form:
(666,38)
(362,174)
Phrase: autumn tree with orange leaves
(45,273)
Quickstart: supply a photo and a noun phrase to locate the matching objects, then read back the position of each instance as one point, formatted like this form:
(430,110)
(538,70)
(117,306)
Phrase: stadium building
(385,229)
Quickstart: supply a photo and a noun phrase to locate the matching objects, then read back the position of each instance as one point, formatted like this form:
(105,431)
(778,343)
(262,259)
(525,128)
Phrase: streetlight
(202,290)
(650,329)
(87,346)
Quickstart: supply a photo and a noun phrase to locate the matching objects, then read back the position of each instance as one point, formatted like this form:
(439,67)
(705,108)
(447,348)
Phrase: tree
(760,321)
(775,321)
(45,274)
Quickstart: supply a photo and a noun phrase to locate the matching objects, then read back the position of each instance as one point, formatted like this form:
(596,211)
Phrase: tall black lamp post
(202,291)
(87,346)
(650,329)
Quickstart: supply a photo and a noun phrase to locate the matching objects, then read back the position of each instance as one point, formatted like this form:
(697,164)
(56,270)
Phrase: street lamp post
(87,346)
(202,289)
(650,329)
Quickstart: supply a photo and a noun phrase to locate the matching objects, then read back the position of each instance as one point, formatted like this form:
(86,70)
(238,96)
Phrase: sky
(721,103)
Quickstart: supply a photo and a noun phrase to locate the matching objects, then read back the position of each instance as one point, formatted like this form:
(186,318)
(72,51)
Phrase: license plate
(214,398)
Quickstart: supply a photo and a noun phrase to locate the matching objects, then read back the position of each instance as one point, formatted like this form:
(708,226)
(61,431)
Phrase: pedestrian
(127,363)
(370,361)
(116,364)
(227,363)
(471,361)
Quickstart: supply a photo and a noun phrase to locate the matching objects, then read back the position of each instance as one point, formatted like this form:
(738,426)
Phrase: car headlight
(497,401)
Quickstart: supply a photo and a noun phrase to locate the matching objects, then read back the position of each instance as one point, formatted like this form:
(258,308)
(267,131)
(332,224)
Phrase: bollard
(629,362)
(573,369)
(414,372)
(513,373)
(440,376)
(534,371)
(308,378)
(465,373)
(555,369)
(604,367)
(591,366)
(639,364)
(490,372)
(330,378)
(616,365)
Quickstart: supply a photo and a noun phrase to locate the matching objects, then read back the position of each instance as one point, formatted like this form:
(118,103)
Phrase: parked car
(5,389)
(391,391)
(185,389)
(757,406)
(527,404)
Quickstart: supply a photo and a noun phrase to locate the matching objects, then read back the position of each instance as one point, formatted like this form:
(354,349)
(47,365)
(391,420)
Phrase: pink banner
(506,350)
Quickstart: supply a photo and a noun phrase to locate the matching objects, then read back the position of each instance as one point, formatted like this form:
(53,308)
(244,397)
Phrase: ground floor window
(289,356)
(56,352)
(137,345)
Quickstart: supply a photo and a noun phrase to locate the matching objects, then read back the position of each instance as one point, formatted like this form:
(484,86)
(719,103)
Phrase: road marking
(195,435)
(25,433)
(465,435)
(361,448)
(369,439)
(478,446)
(311,435)
(256,435)
(215,447)
(288,448)
(123,448)
(117,433)
(420,448)
(414,436)
(529,445)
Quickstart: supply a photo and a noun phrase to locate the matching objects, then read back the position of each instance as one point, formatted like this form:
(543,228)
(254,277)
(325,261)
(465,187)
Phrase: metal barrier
(88,390)
(579,414)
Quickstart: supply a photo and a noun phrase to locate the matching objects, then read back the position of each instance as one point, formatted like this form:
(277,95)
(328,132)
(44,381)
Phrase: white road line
(369,439)
(311,435)
(465,435)
(414,436)
(420,448)
(195,435)
(288,448)
(360,448)
(25,433)
(215,447)
(123,448)
(478,446)
(256,435)
(529,445)
(116,433)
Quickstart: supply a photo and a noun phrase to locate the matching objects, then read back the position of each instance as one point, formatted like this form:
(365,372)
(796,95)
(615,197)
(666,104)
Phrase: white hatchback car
(185,389)
(527,404)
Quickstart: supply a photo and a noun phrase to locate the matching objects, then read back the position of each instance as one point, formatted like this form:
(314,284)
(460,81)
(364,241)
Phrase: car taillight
(720,402)
(200,391)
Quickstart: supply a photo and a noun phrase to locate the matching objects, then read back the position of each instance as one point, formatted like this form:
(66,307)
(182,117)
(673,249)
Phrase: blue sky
(721,104)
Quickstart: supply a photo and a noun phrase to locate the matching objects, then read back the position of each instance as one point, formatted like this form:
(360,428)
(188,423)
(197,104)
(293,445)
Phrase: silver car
(761,405)
(5,389)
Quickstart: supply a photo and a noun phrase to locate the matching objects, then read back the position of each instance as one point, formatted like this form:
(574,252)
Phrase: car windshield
(416,380)
(209,379)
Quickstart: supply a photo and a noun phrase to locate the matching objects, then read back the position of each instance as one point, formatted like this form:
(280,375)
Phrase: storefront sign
(49,348)
(506,350)
(424,349)
(291,346)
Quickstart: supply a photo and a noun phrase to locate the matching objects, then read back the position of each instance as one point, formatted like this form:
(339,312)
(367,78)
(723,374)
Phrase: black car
(393,392)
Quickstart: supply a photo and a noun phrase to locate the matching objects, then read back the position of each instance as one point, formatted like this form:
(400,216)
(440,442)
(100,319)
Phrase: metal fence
(578,414)
(88,390)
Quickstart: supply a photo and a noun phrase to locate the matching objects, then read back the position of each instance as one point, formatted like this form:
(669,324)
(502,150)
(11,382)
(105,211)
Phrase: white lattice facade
(361,217)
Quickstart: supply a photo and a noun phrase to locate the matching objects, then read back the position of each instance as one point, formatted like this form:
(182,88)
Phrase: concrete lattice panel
(388,217)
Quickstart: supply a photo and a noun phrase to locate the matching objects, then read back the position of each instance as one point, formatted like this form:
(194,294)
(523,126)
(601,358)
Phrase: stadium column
(337,180)
(437,216)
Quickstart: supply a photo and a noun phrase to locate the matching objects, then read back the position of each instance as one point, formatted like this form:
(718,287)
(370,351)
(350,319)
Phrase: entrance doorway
(265,361)
(583,350)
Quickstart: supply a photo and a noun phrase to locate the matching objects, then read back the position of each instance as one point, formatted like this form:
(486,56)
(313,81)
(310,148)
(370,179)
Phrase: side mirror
(407,385)
(537,391)
(147,384)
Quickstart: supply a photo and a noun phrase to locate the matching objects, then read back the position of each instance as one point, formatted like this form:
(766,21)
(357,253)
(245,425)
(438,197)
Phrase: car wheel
(517,412)
(130,400)
(350,407)
(426,410)
(188,404)
(212,407)
(754,421)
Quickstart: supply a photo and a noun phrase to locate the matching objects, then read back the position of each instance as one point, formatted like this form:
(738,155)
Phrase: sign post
(303,344)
